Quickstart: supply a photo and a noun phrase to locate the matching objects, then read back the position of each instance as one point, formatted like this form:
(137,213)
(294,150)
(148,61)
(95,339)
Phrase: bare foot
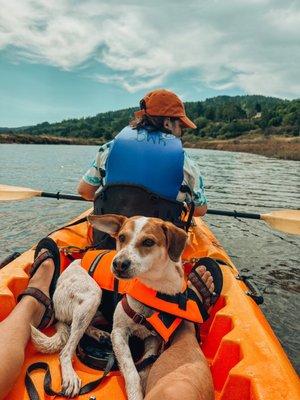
(41,280)
(207,279)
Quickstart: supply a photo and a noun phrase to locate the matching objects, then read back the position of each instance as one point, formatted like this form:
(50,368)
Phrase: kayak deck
(246,360)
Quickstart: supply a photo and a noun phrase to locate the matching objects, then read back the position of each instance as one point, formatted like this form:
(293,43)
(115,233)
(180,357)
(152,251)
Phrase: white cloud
(250,45)
(130,85)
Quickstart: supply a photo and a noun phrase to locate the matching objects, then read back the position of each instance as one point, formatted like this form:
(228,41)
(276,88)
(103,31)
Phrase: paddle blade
(287,221)
(8,193)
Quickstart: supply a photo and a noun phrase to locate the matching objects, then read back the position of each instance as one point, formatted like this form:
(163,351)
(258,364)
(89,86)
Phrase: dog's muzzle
(121,267)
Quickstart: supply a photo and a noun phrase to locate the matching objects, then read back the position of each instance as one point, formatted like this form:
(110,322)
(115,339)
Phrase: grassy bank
(287,148)
(22,138)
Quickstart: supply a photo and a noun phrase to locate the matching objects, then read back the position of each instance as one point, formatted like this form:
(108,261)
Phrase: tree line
(221,117)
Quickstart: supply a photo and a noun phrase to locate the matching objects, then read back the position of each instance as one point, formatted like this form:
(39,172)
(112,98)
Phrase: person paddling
(144,170)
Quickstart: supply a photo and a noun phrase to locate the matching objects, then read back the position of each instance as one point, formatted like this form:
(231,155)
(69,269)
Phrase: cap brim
(187,122)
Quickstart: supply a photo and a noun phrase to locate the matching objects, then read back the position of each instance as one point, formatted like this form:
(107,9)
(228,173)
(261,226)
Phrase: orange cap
(164,103)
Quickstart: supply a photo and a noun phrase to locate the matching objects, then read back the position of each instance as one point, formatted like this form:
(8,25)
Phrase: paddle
(287,221)
(8,193)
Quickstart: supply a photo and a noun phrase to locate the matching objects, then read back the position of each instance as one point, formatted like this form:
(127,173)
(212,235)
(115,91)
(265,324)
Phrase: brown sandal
(208,298)
(52,252)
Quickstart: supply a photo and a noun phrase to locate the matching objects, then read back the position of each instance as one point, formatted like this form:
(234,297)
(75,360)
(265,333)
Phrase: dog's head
(144,245)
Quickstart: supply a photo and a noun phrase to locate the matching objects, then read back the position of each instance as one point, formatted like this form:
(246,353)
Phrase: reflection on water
(234,181)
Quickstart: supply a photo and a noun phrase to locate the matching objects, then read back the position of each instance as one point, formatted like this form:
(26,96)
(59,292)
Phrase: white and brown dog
(148,249)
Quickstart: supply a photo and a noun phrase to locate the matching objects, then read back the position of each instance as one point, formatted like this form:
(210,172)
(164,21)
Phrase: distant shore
(286,148)
(282,147)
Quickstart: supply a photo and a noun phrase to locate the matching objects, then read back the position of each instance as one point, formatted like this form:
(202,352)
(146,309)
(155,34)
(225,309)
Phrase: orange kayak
(246,359)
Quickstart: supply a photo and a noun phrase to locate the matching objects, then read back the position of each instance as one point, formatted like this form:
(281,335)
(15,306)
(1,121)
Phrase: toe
(206,276)
(209,281)
(201,270)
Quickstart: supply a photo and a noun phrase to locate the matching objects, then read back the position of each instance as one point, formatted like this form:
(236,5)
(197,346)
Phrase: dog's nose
(121,266)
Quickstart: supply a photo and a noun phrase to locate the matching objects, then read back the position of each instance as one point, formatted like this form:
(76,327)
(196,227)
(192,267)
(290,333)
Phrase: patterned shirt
(191,176)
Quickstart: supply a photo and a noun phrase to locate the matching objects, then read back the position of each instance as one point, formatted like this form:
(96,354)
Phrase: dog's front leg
(119,338)
(82,316)
(96,333)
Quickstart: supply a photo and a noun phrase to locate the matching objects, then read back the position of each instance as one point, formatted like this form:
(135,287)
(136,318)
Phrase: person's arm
(92,180)
(86,190)
(194,181)
(200,211)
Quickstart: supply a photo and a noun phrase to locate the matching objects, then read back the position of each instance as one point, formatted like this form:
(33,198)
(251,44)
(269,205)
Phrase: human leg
(182,372)
(15,329)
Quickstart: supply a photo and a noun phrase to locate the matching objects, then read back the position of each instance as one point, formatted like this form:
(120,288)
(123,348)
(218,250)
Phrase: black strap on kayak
(31,389)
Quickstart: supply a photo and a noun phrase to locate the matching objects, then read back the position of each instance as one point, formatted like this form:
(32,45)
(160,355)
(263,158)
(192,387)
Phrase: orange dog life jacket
(168,310)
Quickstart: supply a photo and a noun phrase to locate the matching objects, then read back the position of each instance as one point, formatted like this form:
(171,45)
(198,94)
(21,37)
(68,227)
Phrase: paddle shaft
(235,214)
(59,196)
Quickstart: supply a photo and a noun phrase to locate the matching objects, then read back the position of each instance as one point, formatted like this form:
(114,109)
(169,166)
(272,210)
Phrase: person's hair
(150,123)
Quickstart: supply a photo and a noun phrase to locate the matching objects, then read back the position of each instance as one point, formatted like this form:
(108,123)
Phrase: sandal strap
(201,288)
(43,299)
(39,260)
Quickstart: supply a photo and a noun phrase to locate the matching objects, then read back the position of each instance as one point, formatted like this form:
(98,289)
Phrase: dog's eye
(121,238)
(148,243)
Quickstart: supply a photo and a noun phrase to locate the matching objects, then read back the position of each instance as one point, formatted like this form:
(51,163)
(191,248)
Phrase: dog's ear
(109,223)
(176,240)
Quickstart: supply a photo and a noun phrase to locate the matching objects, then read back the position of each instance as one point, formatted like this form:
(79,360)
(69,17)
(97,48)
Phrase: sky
(63,59)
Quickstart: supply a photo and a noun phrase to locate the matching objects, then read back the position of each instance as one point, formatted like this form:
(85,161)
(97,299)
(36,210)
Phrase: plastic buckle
(138,318)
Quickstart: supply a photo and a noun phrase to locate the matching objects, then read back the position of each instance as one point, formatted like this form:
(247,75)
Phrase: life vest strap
(130,200)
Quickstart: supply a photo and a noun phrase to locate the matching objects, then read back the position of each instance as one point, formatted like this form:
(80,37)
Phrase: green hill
(221,117)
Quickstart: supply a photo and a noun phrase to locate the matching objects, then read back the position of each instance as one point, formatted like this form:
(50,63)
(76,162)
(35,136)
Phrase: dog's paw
(71,384)
(96,333)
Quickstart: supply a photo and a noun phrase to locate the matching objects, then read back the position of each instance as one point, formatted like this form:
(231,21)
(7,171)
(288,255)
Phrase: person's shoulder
(104,147)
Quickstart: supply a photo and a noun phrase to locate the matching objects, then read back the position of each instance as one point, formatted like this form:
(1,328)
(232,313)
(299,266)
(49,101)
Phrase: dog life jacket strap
(31,389)
(160,323)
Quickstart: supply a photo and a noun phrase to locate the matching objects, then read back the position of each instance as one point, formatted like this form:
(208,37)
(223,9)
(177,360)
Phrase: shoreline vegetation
(282,147)
(254,124)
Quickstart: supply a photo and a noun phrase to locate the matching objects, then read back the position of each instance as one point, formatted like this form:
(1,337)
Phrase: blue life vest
(153,160)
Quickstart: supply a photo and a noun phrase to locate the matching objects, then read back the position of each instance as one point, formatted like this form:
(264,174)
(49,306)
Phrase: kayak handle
(254,291)
(9,259)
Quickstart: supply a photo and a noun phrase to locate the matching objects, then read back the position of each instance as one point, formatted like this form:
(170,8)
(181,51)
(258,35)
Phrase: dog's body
(148,249)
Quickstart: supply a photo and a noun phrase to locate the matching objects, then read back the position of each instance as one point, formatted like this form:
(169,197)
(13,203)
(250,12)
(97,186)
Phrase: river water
(234,181)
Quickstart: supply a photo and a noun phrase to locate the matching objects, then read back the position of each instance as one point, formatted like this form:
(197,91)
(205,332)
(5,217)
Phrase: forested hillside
(221,117)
